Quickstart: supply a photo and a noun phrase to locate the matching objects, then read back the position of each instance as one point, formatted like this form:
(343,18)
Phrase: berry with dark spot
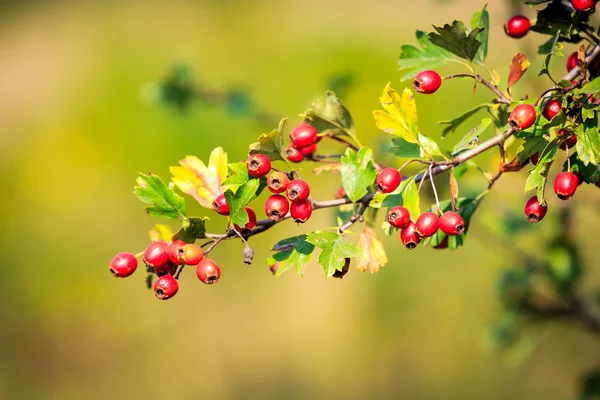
(294,154)
(172,250)
(208,271)
(220,205)
(399,217)
(298,191)
(427,224)
(522,117)
(276,207)
(534,210)
(278,181)
(165,287)
(258,165)
(409,236)
(190,254)
(451,223)
(388,180)
(427,82)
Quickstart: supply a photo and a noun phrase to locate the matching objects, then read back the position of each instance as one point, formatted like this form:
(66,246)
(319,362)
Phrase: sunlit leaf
(162,201)
(518,66)
(457,40)
(481,19)
(330,115)
(372,249)
(413,60)
(471,139)
(405,195)
(160,232)
(358,172)
(588,142)
(400,115)
(196,230)
(539,175)
(238,200)
(334,250)
(270,144)
(294,252)
(453,124)
(238,175)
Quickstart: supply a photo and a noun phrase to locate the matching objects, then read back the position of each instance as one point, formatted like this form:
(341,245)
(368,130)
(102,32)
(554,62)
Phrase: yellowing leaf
(518,66)
(201,182)
(400,115)
(373,252)
(335,168)
(160,232)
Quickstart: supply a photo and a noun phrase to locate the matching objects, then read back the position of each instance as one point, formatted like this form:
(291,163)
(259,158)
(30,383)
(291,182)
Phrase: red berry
(220,205)
(583,5)
(565,185)
(567,142)
(303,135)
(123,264)
(388,180)
(298,191)
(208,271)
(341,193)
(258,165)
(451,223)
(427,82)
(165,287)
(302,211)
(190,254)
(443,244)
(409,236)
(308,150)
(517,26)
(294,154)
(551,109)
(522,117)
(572,61)
(427,224)
(276,207)
(167,269)
(399,217)
(173,249)
(535,158)
(251,221)
(277,182)
(535,211)
(155,254)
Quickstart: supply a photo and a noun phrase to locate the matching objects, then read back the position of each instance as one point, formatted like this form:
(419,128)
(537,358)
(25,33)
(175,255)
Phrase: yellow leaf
(160,232)
(373,252)
(400,115)
(335,168)
(201,182)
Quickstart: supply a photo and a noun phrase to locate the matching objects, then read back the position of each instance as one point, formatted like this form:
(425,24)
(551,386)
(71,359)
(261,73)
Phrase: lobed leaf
(372,249)
(413,60)
(294,252)
(334,250)
(457,40)
(588,142)
(587,173)
(330,115)
(400,115)
(532,145)
(518,66)
(195,230)
(238,175)
(238,200)
(270,144)
(162,200)
(358,172)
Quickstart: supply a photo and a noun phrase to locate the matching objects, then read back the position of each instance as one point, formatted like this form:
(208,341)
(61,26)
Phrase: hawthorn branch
(357,217)
(502,98)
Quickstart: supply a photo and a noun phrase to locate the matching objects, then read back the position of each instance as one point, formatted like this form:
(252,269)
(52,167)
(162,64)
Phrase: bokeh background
(76,127)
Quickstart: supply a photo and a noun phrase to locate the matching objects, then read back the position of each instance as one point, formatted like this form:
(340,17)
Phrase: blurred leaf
(532,145)
(160,232)
(586,173)
(552,48)
(189,234)
(513,286)
(358,172)
(334,168)
(330,115)
(455,39)
(162,200)
(590,385)
(592,87)
(414,60)
(293,252)
(453,188)
(588,111)
(271,144)
(405,149)
(334,249)
(238,200)
(539,175)
(429,147)
(518,66)
(372,249)
(471,139)
(453,124)
(405,195)
(588,142)
(481,19)
(238,175)
(555,18)
(400,115)
(563,266)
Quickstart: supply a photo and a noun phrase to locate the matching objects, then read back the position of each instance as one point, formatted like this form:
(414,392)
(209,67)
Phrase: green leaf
(429,146)
(555,18)
(238,200)
(237,176)
(471,139)
(334,250)
(196,230)
(591,88)
(414,60)
(453,124)
(405,195)
(588,142)
(532,145)
(358,172)
(587,173)
(481,19)
(457,40)
(539,175)
(330,115)
(552,48)
(162,201)
(294,252)
(405,149)
(271,144)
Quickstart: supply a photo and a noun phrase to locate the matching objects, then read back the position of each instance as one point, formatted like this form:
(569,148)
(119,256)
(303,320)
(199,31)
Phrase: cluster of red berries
(163,259)
(304,139)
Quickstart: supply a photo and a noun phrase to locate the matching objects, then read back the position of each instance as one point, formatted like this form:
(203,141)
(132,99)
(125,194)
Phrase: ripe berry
(190,254)
(208,271)
(388,180)
(294,154)
(277,182)
(302,211)
(276,207)
(258,165)
(303,135)
(409,236)
(167,269)
(220,205)
(251,221)
(155,254)
(399,217)
(535,158)
(567,142)
(427,224)
(572,61)
(341,193)
(427,82)
(517,26)
(173,249)
(565,185)
(583,5)
(534,211)
(451,223)
(522,117)
(308,150)
(298,191)
(551,109)
(443,244)
(165,287)
(123,264)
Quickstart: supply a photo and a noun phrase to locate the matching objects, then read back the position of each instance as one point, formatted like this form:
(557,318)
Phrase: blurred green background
(75,132)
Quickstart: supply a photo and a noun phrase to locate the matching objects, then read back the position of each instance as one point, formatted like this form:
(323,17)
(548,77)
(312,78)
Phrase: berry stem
(502,98)
(354,218)
(437,200)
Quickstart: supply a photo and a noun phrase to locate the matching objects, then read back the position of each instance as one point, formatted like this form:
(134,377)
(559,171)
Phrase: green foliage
(358,172)
(471,139)
(456,39)
(162,200)
(413,60)
(587,173)
(238,200)
(588,142)
(539,175)
(453,124)
(592,87)
(334,250)
(294,252)
(531,145)
(195,230)
(271,144)
(330,116)
(481,19)
(552,48)
(238,176)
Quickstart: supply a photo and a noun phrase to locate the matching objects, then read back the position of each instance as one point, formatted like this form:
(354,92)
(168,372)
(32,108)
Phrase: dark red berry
(534,210)
(302,211)
(399,217)
(566,141)
(208,271)
(565,185)
(220,205)
(308,150)
(388,180)
(167,269)
(517,26)
(172,250)
(165,287)
(258,165)
(427,224)
(572,61)
(123,264)
(298,191)
(294,154)
(276,207)
(251,221)
(535,158)
(583,5)
(190,254)
(303,135)
(277,182)
(551,109)
(409,236)
(427,82)
(155,254)
(341,193)
(522,117)
(451,223)
(443,244)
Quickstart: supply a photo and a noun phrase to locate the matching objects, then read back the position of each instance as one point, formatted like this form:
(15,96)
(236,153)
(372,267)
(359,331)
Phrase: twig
(358,216)
(502,98)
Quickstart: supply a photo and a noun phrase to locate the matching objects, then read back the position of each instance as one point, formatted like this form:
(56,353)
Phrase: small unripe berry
(399,217)
(303,135)
(388,180)
(583,5)
(427,82)
(308,150)
(258,165)
(277,182)
(551,109)
(534,210)
(517,26)
(294,154)
(123,264)
(572,61)
(251,221)
(190,254)
(522,117)
(155,254)
(535,158)
(302,211)
(208,271)
(451,223)
(427,224)
(172,250)
(165,287)
(565,185)
(409,236)
(220,205)
(567,141)
(276,207)
(298,191)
